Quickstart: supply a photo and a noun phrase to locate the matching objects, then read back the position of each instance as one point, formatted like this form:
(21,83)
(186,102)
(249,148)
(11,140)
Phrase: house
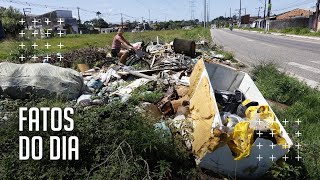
(56,20)
(296,13)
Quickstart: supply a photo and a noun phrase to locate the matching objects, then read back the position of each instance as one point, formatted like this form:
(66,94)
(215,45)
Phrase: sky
(160,10)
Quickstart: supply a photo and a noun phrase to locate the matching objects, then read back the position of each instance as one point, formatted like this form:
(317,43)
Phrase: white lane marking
(311,83)
(250,40)
(317,62)
(305,67)
(269,45)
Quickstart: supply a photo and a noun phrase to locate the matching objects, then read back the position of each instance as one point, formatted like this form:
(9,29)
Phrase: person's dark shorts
(114,52)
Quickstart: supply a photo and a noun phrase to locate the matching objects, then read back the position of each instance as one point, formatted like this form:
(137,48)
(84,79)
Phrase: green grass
(72,42)
(304,104)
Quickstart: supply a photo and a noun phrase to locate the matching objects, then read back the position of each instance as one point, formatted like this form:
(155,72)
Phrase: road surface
(300,57)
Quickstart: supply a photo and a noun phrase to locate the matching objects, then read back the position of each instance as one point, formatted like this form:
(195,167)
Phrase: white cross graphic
(298,157)
(22,57)
(22,45)
(259,133)
(47,45)
(22,21)
(285,122)
(298,122)
(47,21)
(298,133)
(259,145)
(34,45)
(259,122)
(259,157)
(272,133)
(35,32)
(60,21)
(272,145)
(272,158)
(22,33)
(47,57)
(60,57)
(60,45)
(35,21)
(285,146)
(298,145)
(285,157)
(60,33)
(47,33)
(34,57)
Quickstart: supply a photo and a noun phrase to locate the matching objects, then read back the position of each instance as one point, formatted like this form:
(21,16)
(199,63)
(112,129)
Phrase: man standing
(116,51)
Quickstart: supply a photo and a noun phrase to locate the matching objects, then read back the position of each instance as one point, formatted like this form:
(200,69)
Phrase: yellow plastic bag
(241,140)
(264,113)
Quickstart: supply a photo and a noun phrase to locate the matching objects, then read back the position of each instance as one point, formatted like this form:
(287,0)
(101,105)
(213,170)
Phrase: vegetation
(73,42)
(304,105)
(10,18)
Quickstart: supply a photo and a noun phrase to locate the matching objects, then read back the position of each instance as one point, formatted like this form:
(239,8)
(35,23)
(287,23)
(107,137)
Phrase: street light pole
(316,17)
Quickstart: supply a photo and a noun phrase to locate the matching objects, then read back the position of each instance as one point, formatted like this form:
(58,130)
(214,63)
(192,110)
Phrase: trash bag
(264,113)
(229,101)
(241,140)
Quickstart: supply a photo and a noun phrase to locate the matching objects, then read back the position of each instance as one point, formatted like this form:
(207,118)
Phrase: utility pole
(316,17)
(265,7)
(269,8)
(192,6)
(121,21)
(79,15)
(204,13)
(240,15)
(230,13)
(259,11)
(149,16)
(208,12)
(26,10)
(141,19)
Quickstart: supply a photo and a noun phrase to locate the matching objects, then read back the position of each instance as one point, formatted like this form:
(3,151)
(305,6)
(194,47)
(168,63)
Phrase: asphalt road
(298,56)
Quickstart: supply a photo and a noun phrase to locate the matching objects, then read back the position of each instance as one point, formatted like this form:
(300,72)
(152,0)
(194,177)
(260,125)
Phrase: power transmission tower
(149,16)
(121,21)
(79,15)
(192,6)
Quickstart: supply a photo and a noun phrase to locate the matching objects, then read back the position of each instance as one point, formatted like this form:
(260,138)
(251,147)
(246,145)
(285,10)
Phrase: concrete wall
(290,23)
(294,13)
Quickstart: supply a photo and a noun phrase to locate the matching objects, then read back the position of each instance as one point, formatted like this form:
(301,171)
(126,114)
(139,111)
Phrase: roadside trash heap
(218,111)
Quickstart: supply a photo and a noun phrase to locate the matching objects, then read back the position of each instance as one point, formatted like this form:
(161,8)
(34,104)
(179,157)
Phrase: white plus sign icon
(272,133)
(47,45)
(22,58)
(34,57)
(22,21)
(35,33)
(272,145)
(285,157)
(47,21)
(60,33)
(298,122)
(22,33)
(259,157)
(259,133)
(259,122)
(259,145)
(285,122)
(22,45)
(60,21)
(35,21)
(60,57)
(285,146)
(298,133)
(34,45)
(298,157)
(60,45)
(48,33)
(48,57)
(272,158)
(298,145)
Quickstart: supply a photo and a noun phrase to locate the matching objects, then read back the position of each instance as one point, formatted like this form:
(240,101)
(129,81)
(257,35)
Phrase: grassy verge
(304,104)
(294,31)
(73,42)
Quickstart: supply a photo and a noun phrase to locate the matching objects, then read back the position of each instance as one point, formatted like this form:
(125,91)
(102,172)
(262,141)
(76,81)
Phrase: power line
(296,5)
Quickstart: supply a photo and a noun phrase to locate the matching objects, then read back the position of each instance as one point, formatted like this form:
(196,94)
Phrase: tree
(99,23)
(10,21)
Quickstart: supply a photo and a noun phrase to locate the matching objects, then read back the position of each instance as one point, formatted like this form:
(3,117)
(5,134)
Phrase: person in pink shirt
(117,42)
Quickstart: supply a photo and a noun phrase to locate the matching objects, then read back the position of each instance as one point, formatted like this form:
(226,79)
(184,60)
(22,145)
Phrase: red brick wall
(294,13)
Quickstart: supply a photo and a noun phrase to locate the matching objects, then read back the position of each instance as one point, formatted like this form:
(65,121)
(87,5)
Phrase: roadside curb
(281,34)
